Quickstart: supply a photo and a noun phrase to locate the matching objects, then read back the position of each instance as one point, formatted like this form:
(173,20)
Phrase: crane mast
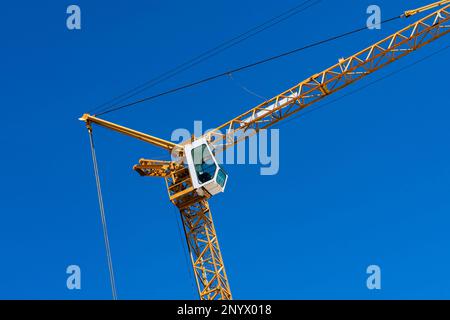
(192,202)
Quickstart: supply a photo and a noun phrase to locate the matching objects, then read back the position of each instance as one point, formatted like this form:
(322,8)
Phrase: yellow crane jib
(168,145)
(205,171)
(197,176)
(337,77)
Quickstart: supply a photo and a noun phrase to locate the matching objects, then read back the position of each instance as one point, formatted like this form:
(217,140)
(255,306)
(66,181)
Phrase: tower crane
(194,175)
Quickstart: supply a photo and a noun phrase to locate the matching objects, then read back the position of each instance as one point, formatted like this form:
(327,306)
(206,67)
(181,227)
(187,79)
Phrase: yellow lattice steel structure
(345,72)
(201,236)
(198,225)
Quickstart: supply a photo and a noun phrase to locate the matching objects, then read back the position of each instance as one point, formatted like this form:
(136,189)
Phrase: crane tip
(84,117)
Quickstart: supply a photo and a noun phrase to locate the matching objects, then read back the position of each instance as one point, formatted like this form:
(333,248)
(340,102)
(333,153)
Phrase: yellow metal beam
(170,146)
(156,168)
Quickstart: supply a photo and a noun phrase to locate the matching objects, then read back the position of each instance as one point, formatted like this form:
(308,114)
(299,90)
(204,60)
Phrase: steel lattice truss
(198,225)
(205,252)
(337,77)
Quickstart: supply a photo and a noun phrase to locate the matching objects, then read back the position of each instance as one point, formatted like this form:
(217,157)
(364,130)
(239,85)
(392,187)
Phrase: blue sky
(362,181)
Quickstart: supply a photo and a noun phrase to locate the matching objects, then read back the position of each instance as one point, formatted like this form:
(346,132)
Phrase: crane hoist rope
(102,215)
(194,175)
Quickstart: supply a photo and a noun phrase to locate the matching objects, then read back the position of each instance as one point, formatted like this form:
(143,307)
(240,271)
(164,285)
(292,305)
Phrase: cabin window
(205,167)
(221,177)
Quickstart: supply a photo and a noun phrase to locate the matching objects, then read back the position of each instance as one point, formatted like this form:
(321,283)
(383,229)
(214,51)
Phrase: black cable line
(193,283)
(206,55)
(251,65)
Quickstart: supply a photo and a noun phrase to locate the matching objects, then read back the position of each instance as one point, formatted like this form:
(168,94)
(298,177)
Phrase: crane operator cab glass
(206,173)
